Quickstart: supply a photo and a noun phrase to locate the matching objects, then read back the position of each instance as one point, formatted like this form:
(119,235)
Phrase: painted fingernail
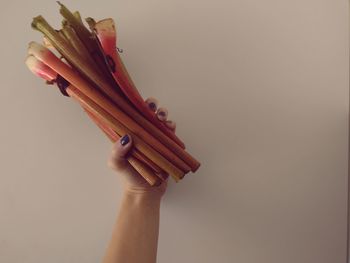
(125,140)
(162,114)
(152,104)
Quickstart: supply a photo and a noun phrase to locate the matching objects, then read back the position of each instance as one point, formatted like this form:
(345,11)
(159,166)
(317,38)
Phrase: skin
(135,233)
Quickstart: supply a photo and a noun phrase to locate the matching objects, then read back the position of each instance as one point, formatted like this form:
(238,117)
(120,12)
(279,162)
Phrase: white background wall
(259,90)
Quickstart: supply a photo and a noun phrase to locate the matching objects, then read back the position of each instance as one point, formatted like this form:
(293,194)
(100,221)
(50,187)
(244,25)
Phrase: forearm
(135,234)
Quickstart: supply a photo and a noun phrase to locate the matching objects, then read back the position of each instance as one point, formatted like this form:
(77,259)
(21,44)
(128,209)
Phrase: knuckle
(111,163)
(116,164)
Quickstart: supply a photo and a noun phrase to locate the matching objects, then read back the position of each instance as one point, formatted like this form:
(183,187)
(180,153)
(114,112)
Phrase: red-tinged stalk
(119,128)
(75,79)
(106,33)
(110,133)
(113,136)
(40,69)
(161,141)
(43,54)
(136,159)
(139,166)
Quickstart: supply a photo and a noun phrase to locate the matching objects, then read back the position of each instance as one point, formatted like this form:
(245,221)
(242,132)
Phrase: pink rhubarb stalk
(39,69)
(167,160)
(106,33)
(136,159)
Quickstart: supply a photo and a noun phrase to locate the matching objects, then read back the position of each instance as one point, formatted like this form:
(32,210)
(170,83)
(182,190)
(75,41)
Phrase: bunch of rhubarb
(90,70)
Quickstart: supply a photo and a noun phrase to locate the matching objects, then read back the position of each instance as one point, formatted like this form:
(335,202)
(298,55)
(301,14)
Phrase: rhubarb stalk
(136,159)
(70,54)
(52,61)
(75,59)
(117,126)
(106,33)
(113,136)
(138,165)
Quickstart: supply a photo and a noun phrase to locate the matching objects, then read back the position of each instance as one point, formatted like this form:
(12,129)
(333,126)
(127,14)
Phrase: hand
(132,180)
(161,112)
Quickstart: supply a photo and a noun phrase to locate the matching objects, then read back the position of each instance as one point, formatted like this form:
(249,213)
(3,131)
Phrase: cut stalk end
(91,22)
(36,21)
(107,26)
(40,69)
(78,16)
(37,50)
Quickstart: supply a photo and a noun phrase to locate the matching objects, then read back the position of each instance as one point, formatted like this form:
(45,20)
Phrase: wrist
(142,199)
(142,193)
(145,190)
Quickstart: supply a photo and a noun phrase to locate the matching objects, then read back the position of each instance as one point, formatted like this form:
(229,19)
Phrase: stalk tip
(36,20)
(40,69)
(31,62)
(37,50)
(91,22)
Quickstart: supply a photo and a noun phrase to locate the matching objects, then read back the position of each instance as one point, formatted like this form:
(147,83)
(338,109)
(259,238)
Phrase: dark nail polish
(152,106)
(124,140)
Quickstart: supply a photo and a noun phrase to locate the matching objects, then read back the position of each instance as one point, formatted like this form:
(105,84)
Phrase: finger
(152,104)
(162,114)
(171,125)
(121,162)
(119,153)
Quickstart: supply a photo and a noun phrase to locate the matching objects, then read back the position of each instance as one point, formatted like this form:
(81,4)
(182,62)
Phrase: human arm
(135,234)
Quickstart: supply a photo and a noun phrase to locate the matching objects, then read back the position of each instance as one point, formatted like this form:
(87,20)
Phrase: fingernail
(162,114)
(152,106)
(124,140)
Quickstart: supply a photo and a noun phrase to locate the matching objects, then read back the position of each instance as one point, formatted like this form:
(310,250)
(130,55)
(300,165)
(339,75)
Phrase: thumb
(120,151)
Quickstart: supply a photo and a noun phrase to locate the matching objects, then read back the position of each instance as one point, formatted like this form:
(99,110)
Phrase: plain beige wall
(259,90)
